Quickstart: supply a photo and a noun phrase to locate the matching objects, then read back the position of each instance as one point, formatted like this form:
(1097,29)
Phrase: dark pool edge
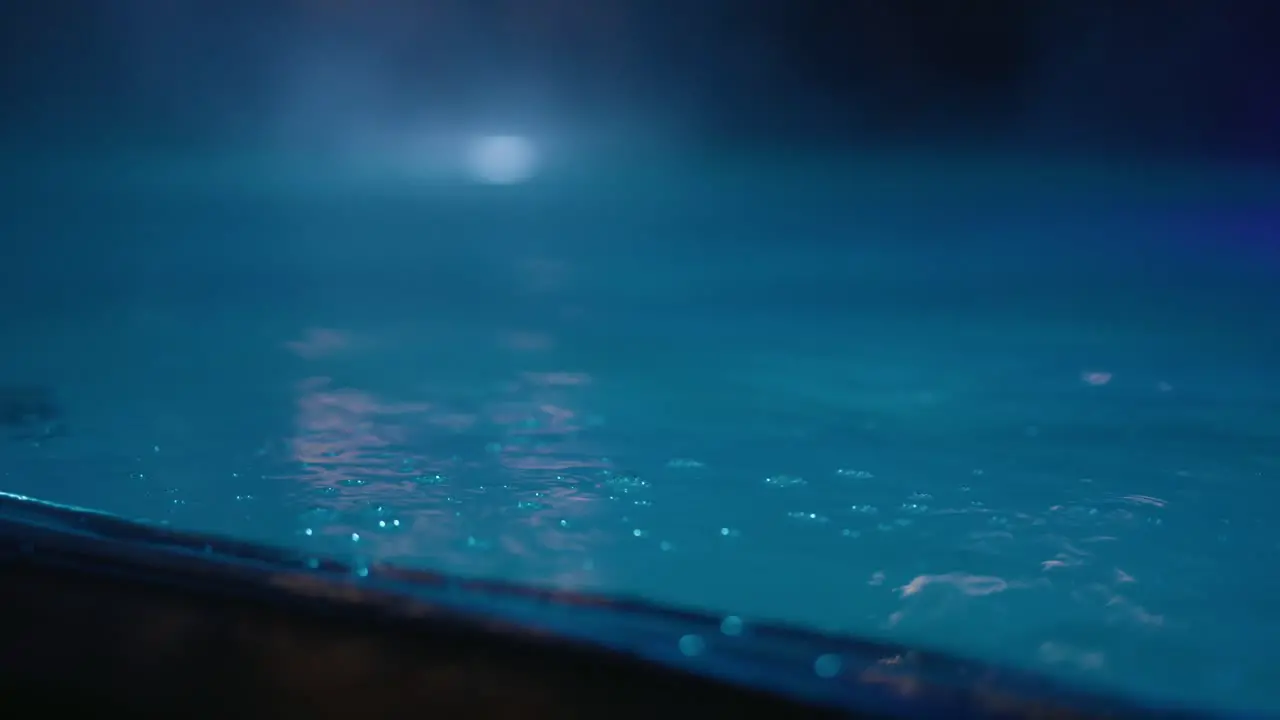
(139,613)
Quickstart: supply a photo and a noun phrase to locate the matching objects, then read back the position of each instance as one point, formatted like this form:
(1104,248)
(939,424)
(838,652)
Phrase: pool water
(1028,415)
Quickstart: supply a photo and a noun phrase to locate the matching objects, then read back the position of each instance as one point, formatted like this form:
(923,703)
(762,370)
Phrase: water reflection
(503,480)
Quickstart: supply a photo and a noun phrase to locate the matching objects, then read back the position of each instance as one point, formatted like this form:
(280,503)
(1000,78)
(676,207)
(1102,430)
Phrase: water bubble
(731,625)
(626,482)
(692,645)
(810,517)
(828,666)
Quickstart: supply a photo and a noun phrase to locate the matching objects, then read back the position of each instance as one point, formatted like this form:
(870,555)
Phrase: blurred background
(997,276)
(1187,77)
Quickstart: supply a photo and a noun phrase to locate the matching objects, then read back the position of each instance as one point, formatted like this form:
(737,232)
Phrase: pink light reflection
(1095,378)
(529,502)
(338,428)
(973,585)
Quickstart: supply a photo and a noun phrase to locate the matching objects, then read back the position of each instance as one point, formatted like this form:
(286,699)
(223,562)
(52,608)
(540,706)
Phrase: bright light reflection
(502,159)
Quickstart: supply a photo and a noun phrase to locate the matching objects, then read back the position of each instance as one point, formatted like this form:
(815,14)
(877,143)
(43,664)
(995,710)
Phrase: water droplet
(626,482)
(784,481)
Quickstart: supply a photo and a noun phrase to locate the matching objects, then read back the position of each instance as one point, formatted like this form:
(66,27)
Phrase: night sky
(1186,77)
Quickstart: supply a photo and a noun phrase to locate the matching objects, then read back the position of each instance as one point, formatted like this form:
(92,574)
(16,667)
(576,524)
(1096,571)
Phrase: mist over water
(1183,77)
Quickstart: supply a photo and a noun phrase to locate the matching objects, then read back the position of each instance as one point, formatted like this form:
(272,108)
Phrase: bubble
(692,645)
(828,666)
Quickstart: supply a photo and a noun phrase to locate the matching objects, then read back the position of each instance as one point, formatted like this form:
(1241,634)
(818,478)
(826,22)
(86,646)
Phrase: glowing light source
(502,159)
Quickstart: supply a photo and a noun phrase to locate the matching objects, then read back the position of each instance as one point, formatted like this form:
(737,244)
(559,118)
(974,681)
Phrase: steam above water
(345,78)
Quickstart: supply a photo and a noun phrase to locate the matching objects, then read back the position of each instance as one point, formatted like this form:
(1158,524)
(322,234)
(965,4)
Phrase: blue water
(1026,413)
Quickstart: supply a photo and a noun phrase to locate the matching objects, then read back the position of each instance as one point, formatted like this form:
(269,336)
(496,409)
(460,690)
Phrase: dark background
(1187,77)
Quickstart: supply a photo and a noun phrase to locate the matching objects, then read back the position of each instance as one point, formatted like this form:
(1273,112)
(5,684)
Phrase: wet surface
(1042,446)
